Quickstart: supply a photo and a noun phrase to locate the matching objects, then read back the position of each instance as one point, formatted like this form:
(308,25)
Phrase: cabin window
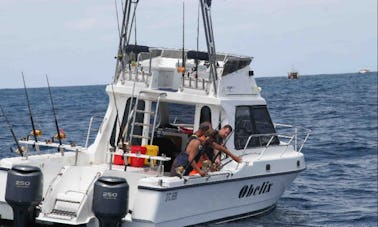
(255,121)
(205,114)
(170,114)
(234,64)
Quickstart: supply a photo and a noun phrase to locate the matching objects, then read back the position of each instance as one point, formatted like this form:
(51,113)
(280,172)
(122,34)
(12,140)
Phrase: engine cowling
(110,200)
(24,192)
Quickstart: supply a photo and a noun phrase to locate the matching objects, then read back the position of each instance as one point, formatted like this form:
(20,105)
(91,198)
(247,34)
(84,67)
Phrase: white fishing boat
(363,71)
(293,74)
(123,177)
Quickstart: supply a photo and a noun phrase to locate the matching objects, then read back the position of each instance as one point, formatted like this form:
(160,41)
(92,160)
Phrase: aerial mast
(123,38)
(208,27)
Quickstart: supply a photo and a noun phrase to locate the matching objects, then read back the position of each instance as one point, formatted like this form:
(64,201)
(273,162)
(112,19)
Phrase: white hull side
(213,201)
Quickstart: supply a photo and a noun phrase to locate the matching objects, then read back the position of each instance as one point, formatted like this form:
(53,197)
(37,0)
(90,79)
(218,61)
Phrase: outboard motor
(110,200)
(23,192)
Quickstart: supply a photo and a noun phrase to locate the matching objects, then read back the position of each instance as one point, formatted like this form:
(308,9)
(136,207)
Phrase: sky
(74,41)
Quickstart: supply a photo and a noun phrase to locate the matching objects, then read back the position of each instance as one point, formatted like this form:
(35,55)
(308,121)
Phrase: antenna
(124,36)
(183,38)
(122,40)
(208,27)
(197,61)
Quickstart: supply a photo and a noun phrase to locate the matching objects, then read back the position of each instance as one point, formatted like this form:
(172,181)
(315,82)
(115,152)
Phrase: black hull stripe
(261,212)
(4,169)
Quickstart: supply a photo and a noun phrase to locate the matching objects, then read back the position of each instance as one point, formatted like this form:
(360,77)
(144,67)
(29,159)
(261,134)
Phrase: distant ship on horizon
(364,70)
(293,74)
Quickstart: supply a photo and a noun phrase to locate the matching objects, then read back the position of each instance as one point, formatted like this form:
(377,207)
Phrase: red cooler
(118,160)
(137,162)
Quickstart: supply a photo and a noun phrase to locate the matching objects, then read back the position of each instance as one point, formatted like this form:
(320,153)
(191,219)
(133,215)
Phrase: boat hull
(188,205)
(187,201)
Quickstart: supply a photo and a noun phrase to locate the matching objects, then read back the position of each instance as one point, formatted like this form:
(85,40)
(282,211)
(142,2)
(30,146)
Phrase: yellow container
(152,150)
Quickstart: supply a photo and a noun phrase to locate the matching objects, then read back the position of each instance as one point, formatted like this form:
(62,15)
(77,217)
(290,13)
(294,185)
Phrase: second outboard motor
(23,192)
(110,200)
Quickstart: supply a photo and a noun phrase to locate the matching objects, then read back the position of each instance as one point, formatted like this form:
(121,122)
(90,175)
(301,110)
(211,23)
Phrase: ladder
(146,124)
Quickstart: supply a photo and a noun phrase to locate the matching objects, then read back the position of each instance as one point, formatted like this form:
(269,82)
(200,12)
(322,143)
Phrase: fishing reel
(180,170)
(125,146)
(21,150)
(206,165)
(36,133)
(62,135)
(134,64)
(215,167)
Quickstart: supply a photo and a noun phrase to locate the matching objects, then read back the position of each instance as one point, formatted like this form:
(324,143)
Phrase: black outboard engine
(110,200)
(23,193)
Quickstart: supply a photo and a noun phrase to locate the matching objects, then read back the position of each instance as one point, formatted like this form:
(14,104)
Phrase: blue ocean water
(339,187)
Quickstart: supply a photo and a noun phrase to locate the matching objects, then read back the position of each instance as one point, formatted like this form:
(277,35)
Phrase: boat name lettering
(252,190)
(170,196)
(22,184)
(109,195)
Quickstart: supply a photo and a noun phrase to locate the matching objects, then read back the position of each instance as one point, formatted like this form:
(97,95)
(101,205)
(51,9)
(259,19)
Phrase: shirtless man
(187,159)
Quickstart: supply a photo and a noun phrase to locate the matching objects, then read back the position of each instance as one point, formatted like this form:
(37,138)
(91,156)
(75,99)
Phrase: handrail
(135,155)
(134,116)
(258,135)
(305,140)
(133,69)
(266,147)
(124,133)
(161,159)
(68,147)
(227,173)
(89,131)
(293,138)
(156,115)
(90,186)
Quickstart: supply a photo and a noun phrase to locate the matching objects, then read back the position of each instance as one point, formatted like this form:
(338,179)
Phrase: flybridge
(161,68)
(198,70)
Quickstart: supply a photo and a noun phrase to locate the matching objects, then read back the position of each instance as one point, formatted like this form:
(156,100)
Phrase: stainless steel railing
(295,137)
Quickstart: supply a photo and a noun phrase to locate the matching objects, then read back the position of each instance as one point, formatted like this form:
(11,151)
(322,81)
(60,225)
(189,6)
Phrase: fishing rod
(197,61)
(35,132)
(20,149)
(183,40)
(123,36)
(133,23)
(120,135)
(54,113)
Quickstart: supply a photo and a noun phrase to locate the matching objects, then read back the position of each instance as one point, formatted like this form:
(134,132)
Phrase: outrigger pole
(122,57)
(53,110)
(196,60)
(30,112)
(183,39)
(123,38)
(11,130)
(208,27)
